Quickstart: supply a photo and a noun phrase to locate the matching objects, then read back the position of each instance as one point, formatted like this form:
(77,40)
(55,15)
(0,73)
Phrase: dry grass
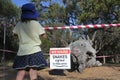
(95,73)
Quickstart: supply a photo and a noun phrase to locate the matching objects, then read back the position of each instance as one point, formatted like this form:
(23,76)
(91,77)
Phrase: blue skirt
(35,61)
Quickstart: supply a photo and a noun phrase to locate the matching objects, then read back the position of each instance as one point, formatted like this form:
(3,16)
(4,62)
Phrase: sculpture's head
(82,49)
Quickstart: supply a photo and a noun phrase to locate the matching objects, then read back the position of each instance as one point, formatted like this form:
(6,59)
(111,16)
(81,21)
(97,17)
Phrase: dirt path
(95,73)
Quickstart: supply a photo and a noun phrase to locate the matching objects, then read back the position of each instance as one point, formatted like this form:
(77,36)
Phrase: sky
(19,3)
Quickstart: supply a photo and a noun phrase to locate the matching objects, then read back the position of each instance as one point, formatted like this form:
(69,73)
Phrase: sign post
(60,58)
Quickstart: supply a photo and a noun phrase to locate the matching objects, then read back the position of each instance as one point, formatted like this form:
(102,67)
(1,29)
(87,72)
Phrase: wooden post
(104,60)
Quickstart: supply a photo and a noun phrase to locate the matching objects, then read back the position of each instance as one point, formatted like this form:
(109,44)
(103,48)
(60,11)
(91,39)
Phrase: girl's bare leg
(20,75)
(33,74)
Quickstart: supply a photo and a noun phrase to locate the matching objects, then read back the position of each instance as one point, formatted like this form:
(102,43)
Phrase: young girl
(29,57)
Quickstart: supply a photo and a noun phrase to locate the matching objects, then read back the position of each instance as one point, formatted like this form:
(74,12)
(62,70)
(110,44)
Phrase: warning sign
(60,58)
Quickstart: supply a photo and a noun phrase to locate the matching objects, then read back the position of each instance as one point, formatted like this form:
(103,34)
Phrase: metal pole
(3,55)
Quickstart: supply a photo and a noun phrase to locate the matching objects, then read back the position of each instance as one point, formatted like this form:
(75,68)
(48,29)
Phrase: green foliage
(46,45)
(8,9)
(93,8)
(55,15)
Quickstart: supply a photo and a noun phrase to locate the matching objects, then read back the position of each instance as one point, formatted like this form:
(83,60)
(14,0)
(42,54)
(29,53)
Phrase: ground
(94,73)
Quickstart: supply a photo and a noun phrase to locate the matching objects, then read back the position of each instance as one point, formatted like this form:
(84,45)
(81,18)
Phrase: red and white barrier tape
(9,51)
(104,56)
(83,26)
(71,27)
(75,27)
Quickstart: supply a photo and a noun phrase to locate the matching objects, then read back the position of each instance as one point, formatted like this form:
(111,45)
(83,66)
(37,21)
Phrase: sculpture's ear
(82,38)
(90,41)
(88,38)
